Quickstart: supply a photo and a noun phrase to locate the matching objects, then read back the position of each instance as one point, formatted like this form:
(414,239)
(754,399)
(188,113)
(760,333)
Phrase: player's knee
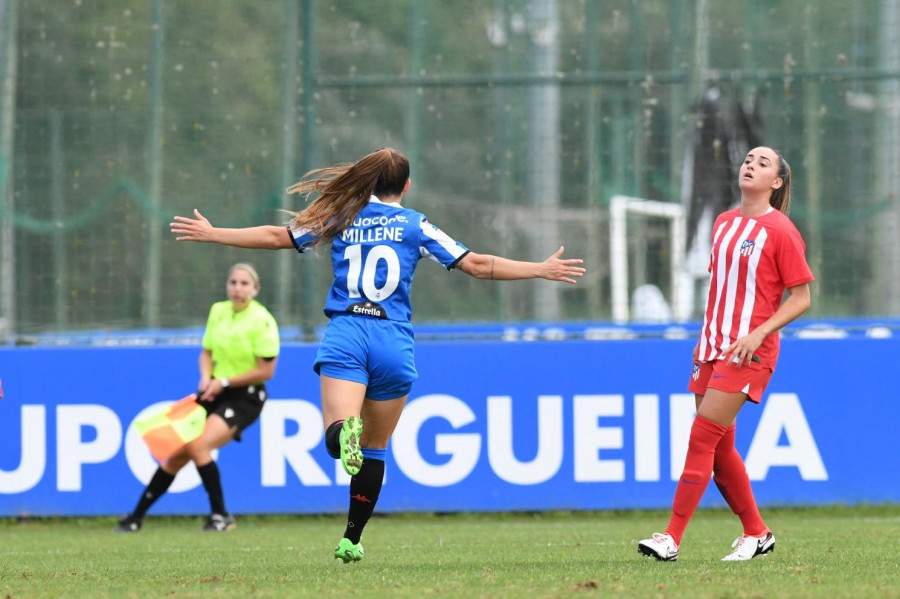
(332,439)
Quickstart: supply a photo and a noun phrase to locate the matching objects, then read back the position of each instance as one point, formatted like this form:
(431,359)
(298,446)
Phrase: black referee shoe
(128,524)
(220,523)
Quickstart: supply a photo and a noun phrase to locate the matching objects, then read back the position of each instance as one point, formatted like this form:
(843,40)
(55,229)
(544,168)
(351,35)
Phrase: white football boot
(661,546)
(747,547)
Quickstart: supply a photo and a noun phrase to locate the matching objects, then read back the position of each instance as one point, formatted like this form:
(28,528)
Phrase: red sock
(730,475)
(698,466)
(725,447)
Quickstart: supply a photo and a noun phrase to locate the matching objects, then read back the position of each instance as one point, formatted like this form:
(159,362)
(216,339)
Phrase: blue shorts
(375,352)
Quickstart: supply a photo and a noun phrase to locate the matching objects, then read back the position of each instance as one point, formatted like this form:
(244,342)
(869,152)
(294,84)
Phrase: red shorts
(751,379)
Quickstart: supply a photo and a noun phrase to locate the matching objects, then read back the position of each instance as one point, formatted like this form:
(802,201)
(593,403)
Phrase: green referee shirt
(237,339)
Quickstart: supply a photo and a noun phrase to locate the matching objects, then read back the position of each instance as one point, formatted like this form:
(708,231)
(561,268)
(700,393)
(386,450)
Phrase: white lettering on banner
(646,437)
(783,412)
(782,418)
(278,450)
(464,448)
(682,409)
(72,452)
(549,456)
(142,463)
(591,438)
(34,453)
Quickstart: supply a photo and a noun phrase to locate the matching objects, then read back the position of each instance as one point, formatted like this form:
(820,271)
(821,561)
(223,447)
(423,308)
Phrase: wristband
(224,383)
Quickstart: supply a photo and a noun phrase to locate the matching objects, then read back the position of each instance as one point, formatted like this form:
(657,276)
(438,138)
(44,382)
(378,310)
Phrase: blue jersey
(375,259)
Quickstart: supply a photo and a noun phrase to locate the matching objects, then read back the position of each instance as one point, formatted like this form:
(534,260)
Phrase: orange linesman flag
(167,430)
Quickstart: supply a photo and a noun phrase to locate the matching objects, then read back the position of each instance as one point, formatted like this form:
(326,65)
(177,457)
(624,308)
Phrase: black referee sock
(209,474)
(333,439)
(157,487)
(364,490)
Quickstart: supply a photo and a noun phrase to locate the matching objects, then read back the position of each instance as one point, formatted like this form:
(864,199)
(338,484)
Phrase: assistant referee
(240,349)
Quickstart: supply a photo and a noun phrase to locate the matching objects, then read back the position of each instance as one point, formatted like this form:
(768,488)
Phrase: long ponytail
(344,190)
(781,197)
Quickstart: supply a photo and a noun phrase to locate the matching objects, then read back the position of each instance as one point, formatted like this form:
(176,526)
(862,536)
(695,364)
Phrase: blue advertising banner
(522,425)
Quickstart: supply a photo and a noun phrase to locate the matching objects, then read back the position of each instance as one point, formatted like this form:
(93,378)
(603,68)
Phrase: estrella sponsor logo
(367,309)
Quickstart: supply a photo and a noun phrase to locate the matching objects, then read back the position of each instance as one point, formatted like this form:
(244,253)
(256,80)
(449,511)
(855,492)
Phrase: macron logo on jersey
(375,229)
(378,221)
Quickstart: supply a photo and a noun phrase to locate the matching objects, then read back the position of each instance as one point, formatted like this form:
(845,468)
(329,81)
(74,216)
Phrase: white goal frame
(619,208)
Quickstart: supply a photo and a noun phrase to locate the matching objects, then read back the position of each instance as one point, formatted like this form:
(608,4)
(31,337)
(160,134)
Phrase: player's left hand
(556,269)
(741,352)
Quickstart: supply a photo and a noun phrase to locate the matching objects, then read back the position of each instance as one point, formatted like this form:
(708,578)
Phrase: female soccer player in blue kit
(366,359)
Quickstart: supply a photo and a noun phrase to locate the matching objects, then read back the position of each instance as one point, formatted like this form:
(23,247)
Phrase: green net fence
(521,118)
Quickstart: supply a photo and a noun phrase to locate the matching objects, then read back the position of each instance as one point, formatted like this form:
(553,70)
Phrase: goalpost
(619,209)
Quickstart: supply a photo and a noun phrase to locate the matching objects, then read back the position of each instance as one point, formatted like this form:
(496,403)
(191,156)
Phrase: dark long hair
(344,190)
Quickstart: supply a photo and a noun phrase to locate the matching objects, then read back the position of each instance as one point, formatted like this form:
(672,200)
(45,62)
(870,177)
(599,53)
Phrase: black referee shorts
(237,406)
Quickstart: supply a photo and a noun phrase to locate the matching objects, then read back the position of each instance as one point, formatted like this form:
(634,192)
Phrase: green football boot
(348,552)
(351,452)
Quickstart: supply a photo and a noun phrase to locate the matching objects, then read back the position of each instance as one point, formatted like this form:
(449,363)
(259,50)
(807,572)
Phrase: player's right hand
(192,229)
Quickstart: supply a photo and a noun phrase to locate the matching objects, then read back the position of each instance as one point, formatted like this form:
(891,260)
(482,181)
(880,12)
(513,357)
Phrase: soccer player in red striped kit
(757,254)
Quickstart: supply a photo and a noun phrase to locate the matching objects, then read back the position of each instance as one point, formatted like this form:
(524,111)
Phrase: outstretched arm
(266,237)
(485,266)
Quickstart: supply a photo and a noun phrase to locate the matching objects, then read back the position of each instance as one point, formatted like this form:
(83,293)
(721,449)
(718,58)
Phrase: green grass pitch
(820,552)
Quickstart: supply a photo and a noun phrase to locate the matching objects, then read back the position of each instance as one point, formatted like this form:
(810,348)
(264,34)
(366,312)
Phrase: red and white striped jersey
(752,262)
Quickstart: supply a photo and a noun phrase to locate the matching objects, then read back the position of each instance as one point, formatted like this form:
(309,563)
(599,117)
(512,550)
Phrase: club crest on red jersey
(695,374)
(747,247)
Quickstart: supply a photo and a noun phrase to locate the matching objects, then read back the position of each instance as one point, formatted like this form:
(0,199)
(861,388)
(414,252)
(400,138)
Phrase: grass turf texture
(833,552)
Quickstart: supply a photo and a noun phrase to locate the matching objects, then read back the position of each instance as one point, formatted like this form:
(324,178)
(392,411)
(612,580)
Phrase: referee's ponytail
(343,190)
